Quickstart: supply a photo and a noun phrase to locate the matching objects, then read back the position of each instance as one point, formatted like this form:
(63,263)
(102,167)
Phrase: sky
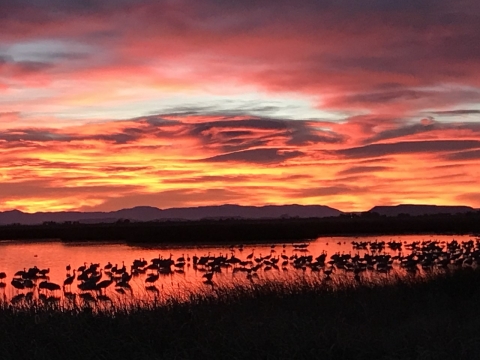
(173,103)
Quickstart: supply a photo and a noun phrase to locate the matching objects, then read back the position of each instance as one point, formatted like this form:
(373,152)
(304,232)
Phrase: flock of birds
(370,256)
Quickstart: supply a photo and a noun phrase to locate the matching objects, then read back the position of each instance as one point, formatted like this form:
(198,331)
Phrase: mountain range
(147,213)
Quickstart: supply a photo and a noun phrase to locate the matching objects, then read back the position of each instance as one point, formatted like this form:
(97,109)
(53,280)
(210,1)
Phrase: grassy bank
(434,319)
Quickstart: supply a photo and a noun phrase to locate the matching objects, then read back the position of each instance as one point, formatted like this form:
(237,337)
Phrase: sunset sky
(117,103)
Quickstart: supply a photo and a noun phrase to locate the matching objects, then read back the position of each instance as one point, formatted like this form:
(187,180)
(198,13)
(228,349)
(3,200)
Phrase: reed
(433,317)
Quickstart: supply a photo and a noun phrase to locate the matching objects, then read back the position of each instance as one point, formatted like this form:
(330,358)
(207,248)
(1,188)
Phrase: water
(55,256)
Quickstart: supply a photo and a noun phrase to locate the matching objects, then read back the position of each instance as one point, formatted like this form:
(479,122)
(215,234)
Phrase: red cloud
(379,66)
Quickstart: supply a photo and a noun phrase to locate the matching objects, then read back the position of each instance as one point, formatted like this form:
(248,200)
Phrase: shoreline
(235,231)
(474,236)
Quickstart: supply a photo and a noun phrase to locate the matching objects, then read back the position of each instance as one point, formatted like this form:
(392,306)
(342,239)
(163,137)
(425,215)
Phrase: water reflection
(53,271)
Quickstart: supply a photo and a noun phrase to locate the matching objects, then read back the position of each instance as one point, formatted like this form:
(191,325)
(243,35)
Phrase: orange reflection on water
(55,256)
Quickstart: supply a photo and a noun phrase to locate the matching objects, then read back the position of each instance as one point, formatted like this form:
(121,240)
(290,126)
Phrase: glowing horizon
(176,104)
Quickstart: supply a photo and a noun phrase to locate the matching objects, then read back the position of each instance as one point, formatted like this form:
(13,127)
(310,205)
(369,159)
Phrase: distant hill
(147,213)
(416,210)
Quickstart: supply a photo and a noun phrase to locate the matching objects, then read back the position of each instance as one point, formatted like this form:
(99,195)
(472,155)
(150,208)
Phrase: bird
(120,270)
(20,273)
(18,284)
(69,280)
(82,268)
(104,284)
(49,286)
(29,284)
(44,272)
(151,279)
(126,277)
(96,277)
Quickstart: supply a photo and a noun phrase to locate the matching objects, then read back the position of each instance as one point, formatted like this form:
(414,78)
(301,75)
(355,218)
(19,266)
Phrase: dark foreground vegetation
(243,231)
(411,318)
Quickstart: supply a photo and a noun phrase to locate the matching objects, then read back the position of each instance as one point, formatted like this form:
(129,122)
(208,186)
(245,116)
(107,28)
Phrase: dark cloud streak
(258,156)
(363,169)
(408,147)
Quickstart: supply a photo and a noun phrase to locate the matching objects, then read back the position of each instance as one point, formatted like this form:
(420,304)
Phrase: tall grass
(433,317)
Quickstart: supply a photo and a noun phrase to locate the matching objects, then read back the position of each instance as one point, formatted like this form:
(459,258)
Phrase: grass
(435,317)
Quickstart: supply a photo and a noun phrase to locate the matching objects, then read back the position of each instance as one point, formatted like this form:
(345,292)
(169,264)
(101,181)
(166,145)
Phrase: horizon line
(230,204)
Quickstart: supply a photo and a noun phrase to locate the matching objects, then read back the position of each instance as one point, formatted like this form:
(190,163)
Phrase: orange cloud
(170,162)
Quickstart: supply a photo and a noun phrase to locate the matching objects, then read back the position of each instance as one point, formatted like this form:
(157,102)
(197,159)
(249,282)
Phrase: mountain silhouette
(417,210)
(148,213)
